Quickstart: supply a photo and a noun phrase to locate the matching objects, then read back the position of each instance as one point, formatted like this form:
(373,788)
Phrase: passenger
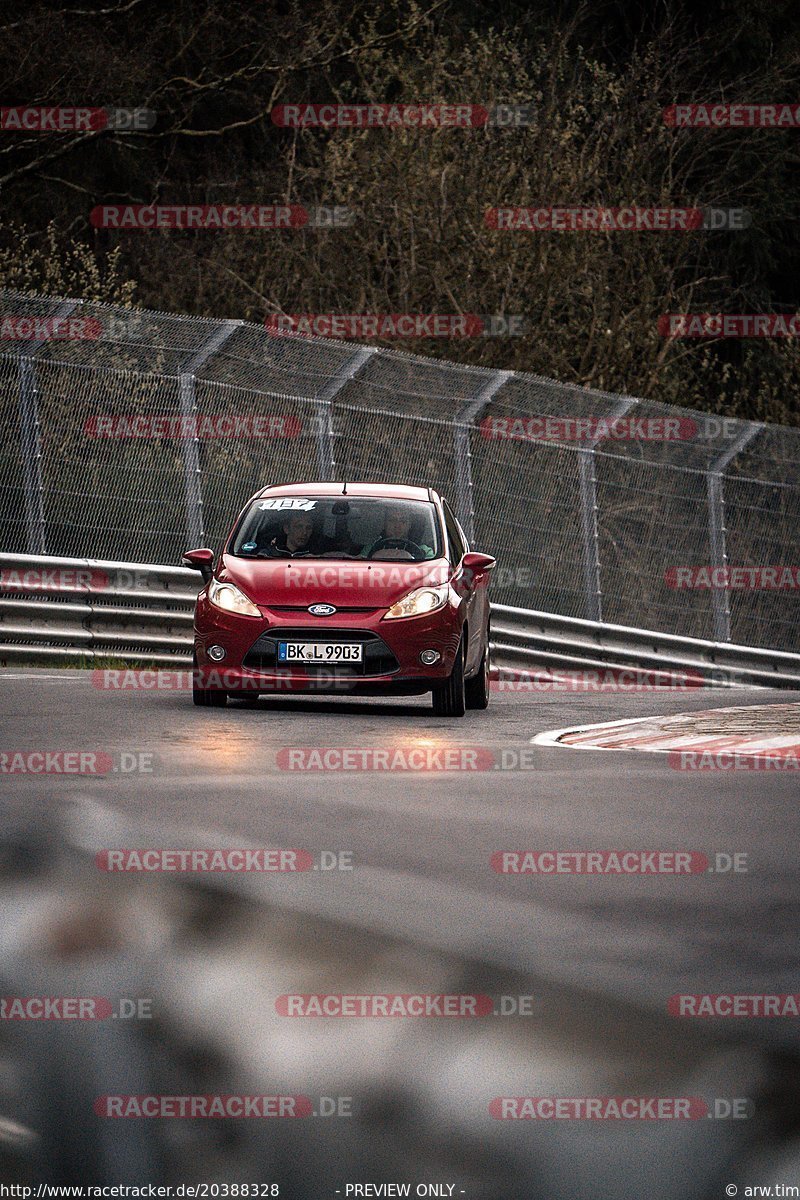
(299,538)
(295,538)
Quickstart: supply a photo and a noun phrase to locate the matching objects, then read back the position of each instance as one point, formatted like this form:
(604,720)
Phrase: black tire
(476,690)
(449,699)
(206,697)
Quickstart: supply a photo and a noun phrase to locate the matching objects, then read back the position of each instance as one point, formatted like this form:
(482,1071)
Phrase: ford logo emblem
(321,610)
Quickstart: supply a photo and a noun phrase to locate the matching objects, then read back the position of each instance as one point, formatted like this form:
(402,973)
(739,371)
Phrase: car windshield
(339,527)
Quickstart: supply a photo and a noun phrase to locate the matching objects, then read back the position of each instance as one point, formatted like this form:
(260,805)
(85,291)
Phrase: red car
(331,587)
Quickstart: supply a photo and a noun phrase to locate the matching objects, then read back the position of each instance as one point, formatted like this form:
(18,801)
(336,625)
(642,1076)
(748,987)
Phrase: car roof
(393,491)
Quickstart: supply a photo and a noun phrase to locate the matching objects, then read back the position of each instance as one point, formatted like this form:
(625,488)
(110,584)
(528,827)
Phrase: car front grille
(378,658)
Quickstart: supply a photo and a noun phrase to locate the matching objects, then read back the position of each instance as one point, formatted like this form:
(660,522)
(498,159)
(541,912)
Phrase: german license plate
(320,652)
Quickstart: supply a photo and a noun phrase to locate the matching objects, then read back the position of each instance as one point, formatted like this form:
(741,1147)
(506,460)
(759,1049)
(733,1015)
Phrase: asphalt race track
(421,842)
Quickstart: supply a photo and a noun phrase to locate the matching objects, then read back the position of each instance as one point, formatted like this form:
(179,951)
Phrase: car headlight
(228,597)
(419,602)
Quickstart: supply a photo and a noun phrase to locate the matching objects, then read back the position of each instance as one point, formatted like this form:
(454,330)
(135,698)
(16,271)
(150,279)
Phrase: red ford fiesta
(330,587)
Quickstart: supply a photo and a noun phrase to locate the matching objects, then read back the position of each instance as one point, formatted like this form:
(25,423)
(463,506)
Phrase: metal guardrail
(527,640)
(77,610)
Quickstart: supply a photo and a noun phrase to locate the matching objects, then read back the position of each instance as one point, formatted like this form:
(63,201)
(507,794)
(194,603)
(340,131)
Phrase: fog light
(429,657)
(216,653)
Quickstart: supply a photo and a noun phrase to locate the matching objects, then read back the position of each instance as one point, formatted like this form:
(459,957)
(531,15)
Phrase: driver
(397,528)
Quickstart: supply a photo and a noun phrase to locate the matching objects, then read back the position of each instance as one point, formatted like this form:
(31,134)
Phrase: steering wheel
(397,544)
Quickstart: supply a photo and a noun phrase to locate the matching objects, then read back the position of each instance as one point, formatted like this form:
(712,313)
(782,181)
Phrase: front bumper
(391,652)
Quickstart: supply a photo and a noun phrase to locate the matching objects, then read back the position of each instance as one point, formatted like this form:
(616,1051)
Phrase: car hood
(352,583)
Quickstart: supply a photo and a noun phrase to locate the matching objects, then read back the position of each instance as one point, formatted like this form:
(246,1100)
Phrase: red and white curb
(649,734)
(553,737)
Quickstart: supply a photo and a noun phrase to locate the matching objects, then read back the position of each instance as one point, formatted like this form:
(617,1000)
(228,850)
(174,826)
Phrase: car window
(340,527)
(456,543)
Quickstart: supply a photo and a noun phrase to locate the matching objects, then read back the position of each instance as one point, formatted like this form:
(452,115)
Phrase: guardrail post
(190,446)
(323,404)
(31,444)
(587,480)
(717,533)
(465,418)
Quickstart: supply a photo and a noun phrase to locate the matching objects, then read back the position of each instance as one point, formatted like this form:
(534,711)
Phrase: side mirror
(477,563)
(473,566)
(200,560)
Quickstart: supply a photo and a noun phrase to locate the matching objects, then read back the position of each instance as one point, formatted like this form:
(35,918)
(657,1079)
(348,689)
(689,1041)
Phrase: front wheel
(449,699)
(206,698)
(476,690)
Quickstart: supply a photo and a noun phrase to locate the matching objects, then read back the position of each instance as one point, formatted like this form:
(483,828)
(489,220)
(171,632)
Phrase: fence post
(587,480)
(31,446)
(717,533)
(323,403)
(464,499)
(31,442)
(190,446)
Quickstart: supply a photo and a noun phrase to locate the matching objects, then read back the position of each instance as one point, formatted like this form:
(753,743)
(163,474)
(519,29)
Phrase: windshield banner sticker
(288,502)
